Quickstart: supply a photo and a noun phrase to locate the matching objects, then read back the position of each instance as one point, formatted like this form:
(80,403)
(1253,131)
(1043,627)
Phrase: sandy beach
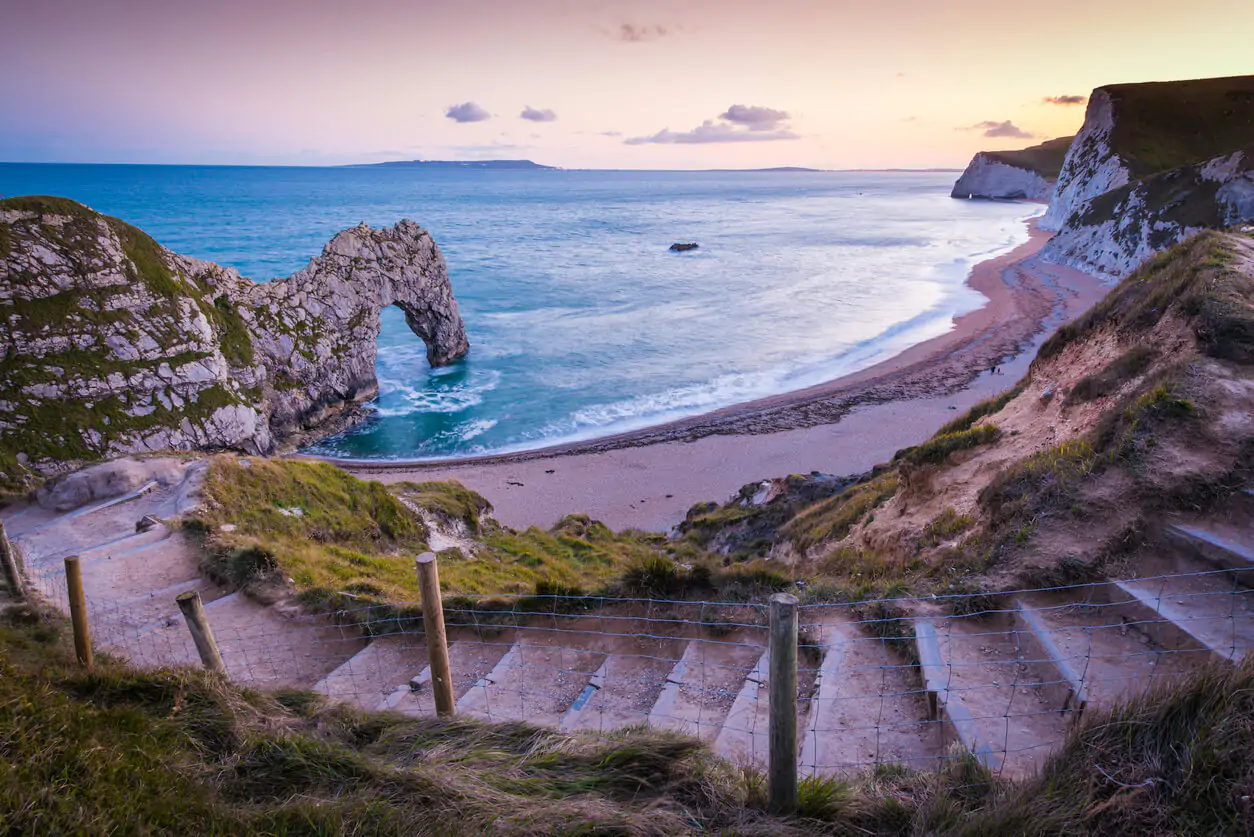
(648,479)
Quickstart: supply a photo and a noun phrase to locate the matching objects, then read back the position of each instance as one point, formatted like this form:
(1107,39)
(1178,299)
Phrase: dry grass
(987,407)
(831,520)
(180,751)
(937,449)
(1118,372)
(355,537)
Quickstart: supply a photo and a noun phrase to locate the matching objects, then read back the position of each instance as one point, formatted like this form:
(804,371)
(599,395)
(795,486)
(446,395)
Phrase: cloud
(1065,100)
(633,34)
(999,129)
(611,133)
(756,117)
(711,131)
(739,123)
(535,115)
(467,112)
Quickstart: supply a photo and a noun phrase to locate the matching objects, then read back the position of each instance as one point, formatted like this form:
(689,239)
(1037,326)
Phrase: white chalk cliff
(1092,166)
(1114,233)
(1024,174)
(1153,164)
(988,177)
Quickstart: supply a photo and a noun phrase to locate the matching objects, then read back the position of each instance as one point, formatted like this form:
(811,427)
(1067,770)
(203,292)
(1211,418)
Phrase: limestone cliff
(1027,174)
(112,344)
(1113,233)
(1133,131)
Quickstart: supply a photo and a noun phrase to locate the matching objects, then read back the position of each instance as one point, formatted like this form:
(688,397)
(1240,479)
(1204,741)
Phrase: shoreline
(1025,298)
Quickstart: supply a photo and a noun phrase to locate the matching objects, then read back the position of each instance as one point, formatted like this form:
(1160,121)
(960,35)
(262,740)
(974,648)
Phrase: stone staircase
(1003,685)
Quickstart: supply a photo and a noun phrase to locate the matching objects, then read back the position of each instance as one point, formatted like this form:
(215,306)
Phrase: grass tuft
(939,447)
(831,520)
(987,407)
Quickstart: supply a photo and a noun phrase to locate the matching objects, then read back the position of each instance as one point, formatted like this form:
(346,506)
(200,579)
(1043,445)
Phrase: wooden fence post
(8,565)
(782,779)
(78,610)
(437,641)
(197,623)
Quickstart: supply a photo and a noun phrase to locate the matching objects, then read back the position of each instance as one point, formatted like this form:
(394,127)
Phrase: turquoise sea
(582,323)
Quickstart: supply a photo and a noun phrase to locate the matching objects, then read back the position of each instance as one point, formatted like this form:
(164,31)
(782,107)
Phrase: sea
(582,322)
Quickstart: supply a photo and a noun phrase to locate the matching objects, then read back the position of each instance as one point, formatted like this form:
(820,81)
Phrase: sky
(662,84)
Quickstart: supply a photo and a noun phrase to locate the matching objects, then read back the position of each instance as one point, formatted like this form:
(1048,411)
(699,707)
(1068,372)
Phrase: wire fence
(912,681)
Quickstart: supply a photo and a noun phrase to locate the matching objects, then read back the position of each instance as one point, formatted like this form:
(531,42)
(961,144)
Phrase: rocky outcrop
(1133,131)
(112,344)
(1113,233)
(318,331)
(1028,174)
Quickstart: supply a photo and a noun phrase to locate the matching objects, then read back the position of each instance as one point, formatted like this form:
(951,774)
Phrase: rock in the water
(683,248)
(110,344)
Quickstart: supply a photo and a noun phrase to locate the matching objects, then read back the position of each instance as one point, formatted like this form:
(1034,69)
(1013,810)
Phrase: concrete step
(540,677)
(946,705)
(625,687)
(134,586)
(124,543)
(1039,644)
(869,707)
(377,672)
(745,738)
(1000,701)
(47,574)
(1113,658)
(111,579)
(108,504)
(263,648)
(703,685)
(1188,613)
(130,620)
(1220,546)
(470,660)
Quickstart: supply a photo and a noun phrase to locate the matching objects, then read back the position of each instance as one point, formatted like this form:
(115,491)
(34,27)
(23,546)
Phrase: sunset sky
(595,84)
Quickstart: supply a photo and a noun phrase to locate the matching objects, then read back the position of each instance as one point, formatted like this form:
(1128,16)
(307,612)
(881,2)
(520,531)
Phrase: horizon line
(546,168)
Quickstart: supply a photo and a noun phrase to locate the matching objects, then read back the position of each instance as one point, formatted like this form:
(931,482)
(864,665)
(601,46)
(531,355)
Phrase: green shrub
(654,576)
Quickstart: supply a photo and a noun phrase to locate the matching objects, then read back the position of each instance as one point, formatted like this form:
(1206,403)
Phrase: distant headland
(498,165)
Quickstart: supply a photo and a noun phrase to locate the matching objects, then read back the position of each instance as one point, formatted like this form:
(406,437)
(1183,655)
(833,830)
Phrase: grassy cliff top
(1044,159)
(1165,125)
